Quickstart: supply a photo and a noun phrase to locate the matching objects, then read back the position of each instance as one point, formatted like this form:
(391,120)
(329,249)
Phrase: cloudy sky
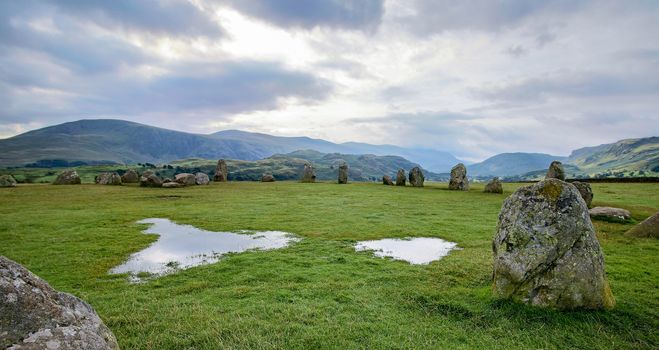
(472,77)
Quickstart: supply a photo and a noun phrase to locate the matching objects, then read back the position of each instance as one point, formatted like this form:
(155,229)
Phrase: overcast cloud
(473,78)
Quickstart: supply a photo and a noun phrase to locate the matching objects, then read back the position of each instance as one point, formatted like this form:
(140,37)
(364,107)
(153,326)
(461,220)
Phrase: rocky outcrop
(308,174)
(149,179)
(400,178)
(7,181)
(585,190)
(494,186)
(185,179)
(68,177)
(33,315)
(202,179)
(555,171)
(343,173)
(416,177)
(610,214)
(648,228)
(108,179)
(267,178)
(130,177)
(459,179)
(221,172)
(545,250)
(386,180)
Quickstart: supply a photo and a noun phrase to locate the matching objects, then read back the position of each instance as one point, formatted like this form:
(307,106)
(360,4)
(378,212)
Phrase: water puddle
(184,246)
(417,251)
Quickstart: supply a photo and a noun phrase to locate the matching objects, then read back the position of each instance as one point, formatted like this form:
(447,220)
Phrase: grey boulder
(343,173)
(416,177)
(494,186)
(185,179)
(400,178)
(609,213)
(555,171)
(308,174)
(202,179)
(149,179)
(459,179)
(67,177)
(130,177)
(108,179)
(7,181)
(267,178)
(386,180)
(585,190)
(221,171)
(172,184)
(648,228)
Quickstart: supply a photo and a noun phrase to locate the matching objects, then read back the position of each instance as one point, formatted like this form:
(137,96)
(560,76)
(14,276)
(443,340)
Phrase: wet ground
(418,251)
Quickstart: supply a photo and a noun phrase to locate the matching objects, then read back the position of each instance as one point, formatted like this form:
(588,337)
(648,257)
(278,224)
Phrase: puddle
(417,251)
(184,246)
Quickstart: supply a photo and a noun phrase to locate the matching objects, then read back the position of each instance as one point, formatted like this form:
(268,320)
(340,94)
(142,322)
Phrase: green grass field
(320,293)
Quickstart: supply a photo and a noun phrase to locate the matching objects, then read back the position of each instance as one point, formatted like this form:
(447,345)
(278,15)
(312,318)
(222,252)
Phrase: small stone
(221,172)
(416,177)
(610,213)
(494,186)
(149,179)
(108,179)
(68,177)
(400,178)
(459,180)
(130,177)
(267,178)
(7,181)
(386,180)
(585,190)
(556,171)
(202,179)
(343,173)
(172,185)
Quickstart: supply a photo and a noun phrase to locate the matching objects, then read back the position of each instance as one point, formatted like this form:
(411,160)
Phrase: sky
(474,77)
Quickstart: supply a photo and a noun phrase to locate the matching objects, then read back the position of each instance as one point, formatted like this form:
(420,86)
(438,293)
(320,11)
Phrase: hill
(624,156)
(507,164)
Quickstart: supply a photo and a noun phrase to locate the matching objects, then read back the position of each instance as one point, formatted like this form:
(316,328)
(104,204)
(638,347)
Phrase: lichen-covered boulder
(202,179)
(108,179)
(267,178)
(545,250)
(610,214)
(7,181)
(386,180)
(149,179)
(308,174)
(343,173)
(459,180)
(555,171)
(648,228)
(68,177)
(33,315)
(585,190)
(221,171)
(400,178)
(185,179)
(494,186)
(130,177)
(416,177)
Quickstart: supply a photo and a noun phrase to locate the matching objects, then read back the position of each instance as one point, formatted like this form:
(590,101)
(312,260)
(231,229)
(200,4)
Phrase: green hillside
(506,164)
(625,156)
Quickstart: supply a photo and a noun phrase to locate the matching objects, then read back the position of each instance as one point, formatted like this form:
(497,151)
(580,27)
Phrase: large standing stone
(400,178)
(343,173)
(149,179)
(545,250)
(202,179)
(7,181)
(610,213)
(459,180)
(185,179)
(494,186)
(267,178)
(556,171)
(416,177)
(585,190)
(108,179)
(648,228)
(130,177)
(308,174)
(221,172)
(68,177)
(386,180)
(33,315)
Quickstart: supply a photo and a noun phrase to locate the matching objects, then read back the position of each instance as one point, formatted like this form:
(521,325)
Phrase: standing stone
(7,181)
(386,180)
(267,178)
(494,186)
(202,179)
(459,180)
(545,250)
(400,178)
(68,177)
(130,177)
(149,179)
(308,174)
(185,179)
(648,228)
(585,190)
(556,171)
(343,173)
(33,315)
(108,179)
(416,177)
(221,172)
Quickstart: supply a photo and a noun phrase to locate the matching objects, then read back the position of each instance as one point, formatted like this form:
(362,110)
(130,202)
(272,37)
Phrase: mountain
(507,164)
(622,156)
(103,141)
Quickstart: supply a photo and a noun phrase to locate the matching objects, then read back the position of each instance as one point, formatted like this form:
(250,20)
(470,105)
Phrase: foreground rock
(33,315)
(149,179)
(130,177)
(108,179)
(343,173)
(609,214)
(459,179)
(221,172)
(556,171)
(308,174)
(267,178)
(585,190)
(648,228)
(202,179)
(386,180)
(400,178)
(416,177)
(545,250)
(494,186)
(7,181)
(185,179)
(68,177)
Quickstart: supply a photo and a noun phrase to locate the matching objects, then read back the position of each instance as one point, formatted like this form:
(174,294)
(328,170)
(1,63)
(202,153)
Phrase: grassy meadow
(320,293)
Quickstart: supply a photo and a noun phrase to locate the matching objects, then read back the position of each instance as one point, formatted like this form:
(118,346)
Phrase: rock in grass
(416,177)
(494,186)
(267,178)
(108,179)
(343,173)
(545,250)
(610,214)
(386,180)
(172,184)
(459,179)
(202,179)
(130,177)
(400,178)
(7,181)
(585,190)
(185,179)
(149,179)
(33,315)
(555,171)
(648,228)
(68,177)
(308,174)
(221,171)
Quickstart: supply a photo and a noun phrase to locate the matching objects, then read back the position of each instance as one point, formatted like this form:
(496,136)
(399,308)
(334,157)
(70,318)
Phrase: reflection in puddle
(185,246)
(418,251)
